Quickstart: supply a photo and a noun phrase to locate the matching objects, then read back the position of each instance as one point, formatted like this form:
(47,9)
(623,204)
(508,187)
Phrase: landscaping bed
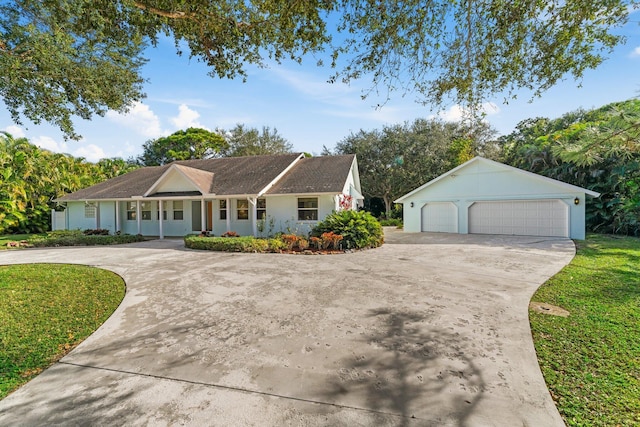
(339,232)
(70,238)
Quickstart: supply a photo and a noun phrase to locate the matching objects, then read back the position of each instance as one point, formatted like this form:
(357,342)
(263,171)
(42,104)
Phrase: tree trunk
(387,205)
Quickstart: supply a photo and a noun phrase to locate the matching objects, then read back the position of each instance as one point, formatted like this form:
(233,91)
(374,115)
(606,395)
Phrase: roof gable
(480,176)
(180,178)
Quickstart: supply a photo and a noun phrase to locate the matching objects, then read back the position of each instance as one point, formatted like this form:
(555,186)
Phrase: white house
(486,197)
(248,195)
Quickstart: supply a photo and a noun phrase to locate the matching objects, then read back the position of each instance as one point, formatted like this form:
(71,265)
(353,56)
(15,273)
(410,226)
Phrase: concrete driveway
(428,330)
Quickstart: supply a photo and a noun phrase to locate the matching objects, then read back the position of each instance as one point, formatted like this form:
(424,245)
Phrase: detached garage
(486,197)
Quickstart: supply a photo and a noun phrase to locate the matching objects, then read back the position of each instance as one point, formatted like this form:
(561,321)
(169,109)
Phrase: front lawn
(591,359)
(45,311)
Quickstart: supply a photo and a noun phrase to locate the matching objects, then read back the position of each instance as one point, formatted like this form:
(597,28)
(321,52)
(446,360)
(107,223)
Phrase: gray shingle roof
(325,174)
(232,176)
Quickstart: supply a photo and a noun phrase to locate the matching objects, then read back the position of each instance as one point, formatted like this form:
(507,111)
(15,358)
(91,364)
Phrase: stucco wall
(282,214)
(485,182)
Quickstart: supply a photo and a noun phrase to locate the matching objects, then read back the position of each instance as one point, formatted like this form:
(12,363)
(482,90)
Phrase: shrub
(226,244)
(330,240)
(303,243)
(290,240)
(78,238)
(358,229)
(96,232)
(276,245)
(393,222)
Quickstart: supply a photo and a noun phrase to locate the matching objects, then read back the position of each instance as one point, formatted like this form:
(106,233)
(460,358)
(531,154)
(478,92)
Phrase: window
(223,209)
(89,210)
(145,207)
(131,211)
(178,212)
(308,209)
(164,211)
(242,206)
(261,209)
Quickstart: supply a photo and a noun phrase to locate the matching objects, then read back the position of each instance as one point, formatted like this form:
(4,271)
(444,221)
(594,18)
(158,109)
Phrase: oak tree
(65,58)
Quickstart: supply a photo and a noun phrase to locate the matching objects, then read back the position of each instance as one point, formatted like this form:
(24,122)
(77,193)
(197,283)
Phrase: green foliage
(45,311)
(359,229)
(31,178)
(80,238)
(227,244)
(68,58)
(392,222)
(77,58)
(193,143)
(590,360)
(252,142)
(394,161)
(597,149)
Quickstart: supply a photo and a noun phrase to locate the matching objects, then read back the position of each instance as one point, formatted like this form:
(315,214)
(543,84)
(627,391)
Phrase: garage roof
(478,159)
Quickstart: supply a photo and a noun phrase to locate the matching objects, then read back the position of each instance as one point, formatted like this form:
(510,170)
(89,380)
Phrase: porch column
(160,218)
(117,216)
(138,217)
(203,215)
(228,214)
(254,213)
(97,215)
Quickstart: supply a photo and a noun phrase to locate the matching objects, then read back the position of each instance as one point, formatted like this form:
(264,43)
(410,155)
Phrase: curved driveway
(429,329)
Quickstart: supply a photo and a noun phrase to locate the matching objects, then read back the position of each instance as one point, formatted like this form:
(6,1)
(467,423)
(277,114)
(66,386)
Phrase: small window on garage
(90,210)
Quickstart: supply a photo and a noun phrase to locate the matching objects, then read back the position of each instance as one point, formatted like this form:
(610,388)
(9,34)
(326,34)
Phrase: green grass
(45,311)
(591,359)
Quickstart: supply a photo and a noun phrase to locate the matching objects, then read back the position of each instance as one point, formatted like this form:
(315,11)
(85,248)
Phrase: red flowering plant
(330,240)
(290,240)
(345,202)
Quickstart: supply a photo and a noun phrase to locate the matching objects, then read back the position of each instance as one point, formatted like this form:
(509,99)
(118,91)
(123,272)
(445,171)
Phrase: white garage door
(440,216)
(520,217)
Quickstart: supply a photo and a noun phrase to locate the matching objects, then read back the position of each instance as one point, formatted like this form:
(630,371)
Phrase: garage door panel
(520,217)
(440,217)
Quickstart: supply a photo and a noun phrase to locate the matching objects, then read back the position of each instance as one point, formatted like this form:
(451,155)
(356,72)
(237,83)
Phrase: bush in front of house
(226,244)
(78,238)
(359,230)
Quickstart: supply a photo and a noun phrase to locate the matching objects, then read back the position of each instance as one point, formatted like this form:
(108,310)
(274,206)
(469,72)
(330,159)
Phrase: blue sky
(306,110)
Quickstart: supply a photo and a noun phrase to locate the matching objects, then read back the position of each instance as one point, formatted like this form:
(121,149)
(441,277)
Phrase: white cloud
(141,119)
(50,144)
(91,152)
(315,87)
(14,131)
(186,118)
(635,52)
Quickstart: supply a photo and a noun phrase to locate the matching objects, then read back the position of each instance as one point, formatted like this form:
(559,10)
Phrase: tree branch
(164,13)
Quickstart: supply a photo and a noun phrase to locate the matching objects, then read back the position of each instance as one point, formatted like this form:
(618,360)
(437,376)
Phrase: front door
(196,215)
